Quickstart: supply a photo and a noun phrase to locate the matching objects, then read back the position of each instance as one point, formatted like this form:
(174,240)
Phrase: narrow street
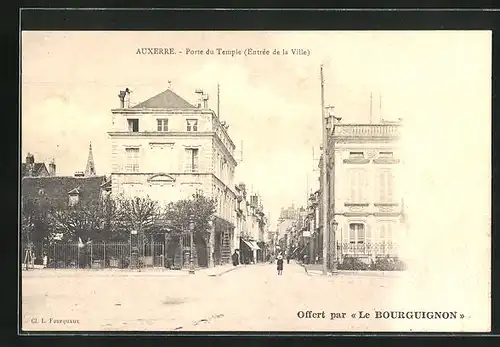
(250,298)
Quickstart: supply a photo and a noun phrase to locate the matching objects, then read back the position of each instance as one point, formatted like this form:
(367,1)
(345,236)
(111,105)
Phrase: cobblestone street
(250,298)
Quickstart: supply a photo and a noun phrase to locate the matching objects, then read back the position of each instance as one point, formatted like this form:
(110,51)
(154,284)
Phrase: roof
(38,168)
(57,188)
(166,99)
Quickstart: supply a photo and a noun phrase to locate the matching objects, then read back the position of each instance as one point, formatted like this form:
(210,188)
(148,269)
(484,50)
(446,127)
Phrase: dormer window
(191,125)
(74,197)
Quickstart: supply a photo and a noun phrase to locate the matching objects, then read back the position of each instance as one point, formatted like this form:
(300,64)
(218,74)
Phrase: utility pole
(324,190)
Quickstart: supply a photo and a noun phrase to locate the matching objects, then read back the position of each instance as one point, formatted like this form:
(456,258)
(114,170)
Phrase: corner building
(168,149)
(364,164)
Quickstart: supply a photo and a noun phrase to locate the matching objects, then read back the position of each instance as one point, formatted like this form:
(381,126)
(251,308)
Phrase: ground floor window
(357,233)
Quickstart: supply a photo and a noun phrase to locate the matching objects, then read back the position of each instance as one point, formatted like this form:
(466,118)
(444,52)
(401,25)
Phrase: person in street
(288,259)
(235,259)
(280,264)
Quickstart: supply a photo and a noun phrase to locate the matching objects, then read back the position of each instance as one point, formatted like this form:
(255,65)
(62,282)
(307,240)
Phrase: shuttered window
(385,180)
(358,186)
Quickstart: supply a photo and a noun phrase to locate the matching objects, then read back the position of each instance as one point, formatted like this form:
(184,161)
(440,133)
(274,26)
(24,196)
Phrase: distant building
(32,169)
(169,149)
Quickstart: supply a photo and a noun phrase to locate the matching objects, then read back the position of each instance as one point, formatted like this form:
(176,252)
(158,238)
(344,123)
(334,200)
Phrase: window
(73,199)
(357,233)
(133,125)
(356,155)
(385,231)
(357,183)
(386,155)
(385,185)
(192,125)
(162,124)
(132,157)
(191,160)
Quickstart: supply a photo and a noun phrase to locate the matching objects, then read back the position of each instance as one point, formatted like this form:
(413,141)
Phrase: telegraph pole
(324,190)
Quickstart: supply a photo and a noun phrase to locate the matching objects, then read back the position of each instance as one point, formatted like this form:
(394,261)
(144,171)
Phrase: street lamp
(191,235)
(335,248)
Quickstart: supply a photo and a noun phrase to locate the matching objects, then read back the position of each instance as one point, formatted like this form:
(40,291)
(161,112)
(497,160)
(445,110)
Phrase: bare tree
(139,214)
(84,220)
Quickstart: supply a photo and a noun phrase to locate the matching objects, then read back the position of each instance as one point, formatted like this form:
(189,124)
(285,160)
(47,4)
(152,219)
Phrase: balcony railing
(368,130)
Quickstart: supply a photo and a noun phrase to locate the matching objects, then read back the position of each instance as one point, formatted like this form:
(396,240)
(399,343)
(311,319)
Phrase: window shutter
(353,186)
(187,160)
(389,186)
(381,233)
(382,186)
(352,233)
(361,236)
(389,232)
(368,235)
(195,159)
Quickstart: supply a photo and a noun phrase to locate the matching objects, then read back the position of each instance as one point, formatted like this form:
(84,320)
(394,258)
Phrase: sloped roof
(166,99)
(37,169)
(56,189)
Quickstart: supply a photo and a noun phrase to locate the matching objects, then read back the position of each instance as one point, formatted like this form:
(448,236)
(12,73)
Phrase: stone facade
(168,149)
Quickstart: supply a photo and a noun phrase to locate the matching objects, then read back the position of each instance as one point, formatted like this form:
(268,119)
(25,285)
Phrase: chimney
(127,97)
(30,159)
(52,168)
(122,98)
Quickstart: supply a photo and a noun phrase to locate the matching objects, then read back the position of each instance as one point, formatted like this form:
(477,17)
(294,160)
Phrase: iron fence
(372,249)
(97,255)
(379,256)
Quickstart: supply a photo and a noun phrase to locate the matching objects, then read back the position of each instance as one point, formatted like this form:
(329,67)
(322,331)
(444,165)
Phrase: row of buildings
(365,206)
(169,149)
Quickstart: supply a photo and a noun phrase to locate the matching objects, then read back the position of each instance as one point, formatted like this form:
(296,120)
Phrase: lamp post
(335,248)
(191,235)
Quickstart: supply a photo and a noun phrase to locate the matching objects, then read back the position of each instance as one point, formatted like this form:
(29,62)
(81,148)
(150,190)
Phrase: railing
(98,255)
(361,130)
(374,249)
(377,256)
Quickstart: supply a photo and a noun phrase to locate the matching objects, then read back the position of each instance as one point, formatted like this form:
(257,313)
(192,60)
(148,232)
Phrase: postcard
(218,181)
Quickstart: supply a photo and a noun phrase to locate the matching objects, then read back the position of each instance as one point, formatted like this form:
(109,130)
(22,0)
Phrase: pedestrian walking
(288,259)
(235,259)
(280,264)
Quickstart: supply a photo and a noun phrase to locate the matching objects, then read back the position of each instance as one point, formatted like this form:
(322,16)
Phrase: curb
(225,272)
(305,269)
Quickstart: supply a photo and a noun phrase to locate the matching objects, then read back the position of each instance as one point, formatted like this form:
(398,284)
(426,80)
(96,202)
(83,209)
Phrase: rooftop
(167,99)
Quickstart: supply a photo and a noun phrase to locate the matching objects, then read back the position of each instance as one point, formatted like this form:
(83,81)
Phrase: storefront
(248,251)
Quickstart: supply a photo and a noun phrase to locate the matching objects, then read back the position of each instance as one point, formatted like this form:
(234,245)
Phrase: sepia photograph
(278,181)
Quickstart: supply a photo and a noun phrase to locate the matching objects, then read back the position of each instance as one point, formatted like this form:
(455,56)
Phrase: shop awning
(252,245)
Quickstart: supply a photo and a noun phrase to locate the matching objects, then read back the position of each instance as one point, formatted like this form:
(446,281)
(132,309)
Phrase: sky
(436,81)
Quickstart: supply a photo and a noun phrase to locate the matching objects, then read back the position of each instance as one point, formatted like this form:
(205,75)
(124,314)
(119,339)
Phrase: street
(250,298)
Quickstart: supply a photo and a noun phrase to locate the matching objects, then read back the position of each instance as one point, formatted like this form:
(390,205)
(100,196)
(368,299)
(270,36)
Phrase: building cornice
(367,214)
(193,134)
(162,111)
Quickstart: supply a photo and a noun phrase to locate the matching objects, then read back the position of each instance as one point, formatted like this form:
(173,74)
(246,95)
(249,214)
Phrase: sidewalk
(155,272)
(317,270)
